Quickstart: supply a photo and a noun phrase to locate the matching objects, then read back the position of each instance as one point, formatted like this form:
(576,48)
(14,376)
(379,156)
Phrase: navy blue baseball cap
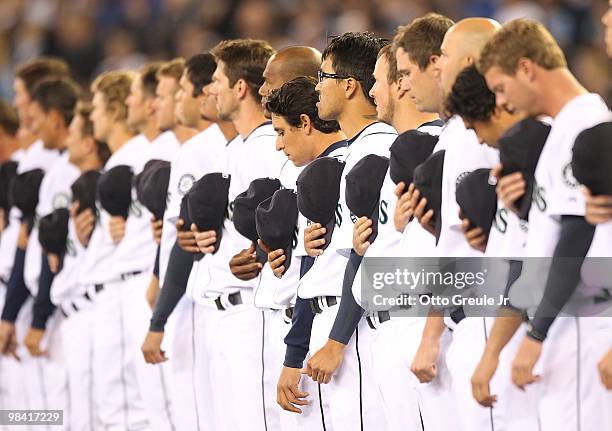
(53,231)
(8,172)
(24,191)
(408,151)
(152,187)
(592,158)
(428,180)
(477,199)
(115,190)
(84,190)
(246,203)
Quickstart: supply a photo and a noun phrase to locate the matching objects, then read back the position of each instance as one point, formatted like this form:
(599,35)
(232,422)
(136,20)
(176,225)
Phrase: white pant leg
(271,356)
(467,346)
(153,380)
(310,419)
(353,385)
(12,394)
(236,366)
(206,383)
(570,394)
(183,366)
(120,406)
(393,348)
(77,335)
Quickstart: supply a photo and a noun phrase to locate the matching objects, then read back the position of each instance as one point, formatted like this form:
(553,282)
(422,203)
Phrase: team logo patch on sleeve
(568,176)
(60,200)
(185,183)
(461,176)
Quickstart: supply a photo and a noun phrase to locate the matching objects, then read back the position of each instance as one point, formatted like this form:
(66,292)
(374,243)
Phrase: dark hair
(172,69)
(244,59)
(298,97)
(9,121)
(59,95)
(148,78)
(422,38)
(200,69)
(389,54)
(83,109)
(470,97)
(355,54)
(39,69)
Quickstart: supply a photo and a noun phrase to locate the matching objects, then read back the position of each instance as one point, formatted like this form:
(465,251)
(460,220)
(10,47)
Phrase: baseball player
(345,80)
(201,154)
(303,137)
(556,225)
(226,297)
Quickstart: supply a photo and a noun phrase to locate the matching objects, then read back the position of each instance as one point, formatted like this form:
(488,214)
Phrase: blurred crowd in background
(98,35)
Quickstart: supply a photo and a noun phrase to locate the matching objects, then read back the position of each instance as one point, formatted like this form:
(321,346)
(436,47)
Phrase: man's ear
(526,67)
(352,87)
(306,124)
(241,89)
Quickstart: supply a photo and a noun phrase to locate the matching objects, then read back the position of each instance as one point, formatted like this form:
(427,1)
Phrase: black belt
(318,303)
(128,275)
(232,298)
(458,315)
(288,315)
(377,318)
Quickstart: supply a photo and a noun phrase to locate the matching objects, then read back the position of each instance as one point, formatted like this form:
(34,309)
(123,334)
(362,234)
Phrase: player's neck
(91,163)
(559,87)
(119,135)
(228,130)
(248,117)
(151,131)
(203,125)
(10,144)
(183,133)
(356,117)
(324,140)
(60,140)
(407,117)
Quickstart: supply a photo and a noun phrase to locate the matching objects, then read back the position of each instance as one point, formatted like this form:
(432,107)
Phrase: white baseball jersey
(100,265)
(254,157)
(199,155)
(36,156)
(165,146)
(463,155)
(54,193)
(326,275)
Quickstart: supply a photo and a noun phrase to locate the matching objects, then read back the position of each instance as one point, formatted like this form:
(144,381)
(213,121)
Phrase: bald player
(463,154)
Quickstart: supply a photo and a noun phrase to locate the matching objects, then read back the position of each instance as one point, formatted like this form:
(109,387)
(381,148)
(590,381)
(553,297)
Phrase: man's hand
(598,208)
(204,240)
(323,364)
(152,292)
(361,232)
(403,211)
(244,264)
(424,362)
(83,223)
(419,205)
(313,239)
(8,339)
(156,227)
(276,258)
(475,236)
(522,366)
(186,239)
(32,341)
(482,377)
(151,348)
(23,237)
(116,227)
(605,370)
(53,260)
(288,394)
(509,188)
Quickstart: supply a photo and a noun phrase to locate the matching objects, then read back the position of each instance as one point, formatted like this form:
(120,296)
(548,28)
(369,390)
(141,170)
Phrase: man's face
(422,86)
(208,105)
(164,102)
(291,140)
(331,94)
(137,114)
(42,124)
(74,142)
(225,97)
(489,132)
(22,102)
(450,64)
(607,22)
(273,79)
(100,117)
(512,92)
(382,92)
(187,107)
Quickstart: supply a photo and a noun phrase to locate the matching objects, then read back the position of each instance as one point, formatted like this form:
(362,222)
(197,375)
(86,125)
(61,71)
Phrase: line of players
(252,311)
